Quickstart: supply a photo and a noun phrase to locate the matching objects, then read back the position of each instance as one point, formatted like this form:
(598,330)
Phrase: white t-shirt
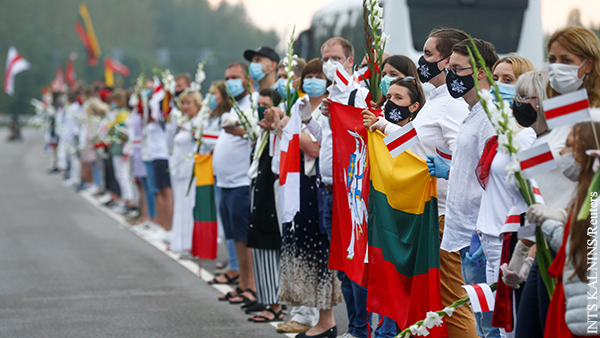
(438,122)
(231,157)
(464,192)
(499,196)
(156,138)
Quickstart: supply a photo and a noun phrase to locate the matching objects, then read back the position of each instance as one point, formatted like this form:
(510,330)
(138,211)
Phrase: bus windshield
(499,22)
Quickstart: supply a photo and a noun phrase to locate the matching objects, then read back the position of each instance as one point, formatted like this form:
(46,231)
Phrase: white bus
(513,26)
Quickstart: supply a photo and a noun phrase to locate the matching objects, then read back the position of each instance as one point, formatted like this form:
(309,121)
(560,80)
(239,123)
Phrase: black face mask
(395,113)
(177,93)
(524,113)
(428,70)
(459,85)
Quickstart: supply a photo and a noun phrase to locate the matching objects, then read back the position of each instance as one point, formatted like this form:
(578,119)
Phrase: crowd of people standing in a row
(141,166)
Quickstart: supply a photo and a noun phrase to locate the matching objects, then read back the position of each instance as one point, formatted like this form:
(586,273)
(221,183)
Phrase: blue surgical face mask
(385,84)
(507,91)
(236,87)
(212,103)
(281,89)
(256,71)
(113,106)
(314,87)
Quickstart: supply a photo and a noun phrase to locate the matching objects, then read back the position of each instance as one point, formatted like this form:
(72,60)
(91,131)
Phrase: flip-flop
(228,295)
(278,316)
(234,280)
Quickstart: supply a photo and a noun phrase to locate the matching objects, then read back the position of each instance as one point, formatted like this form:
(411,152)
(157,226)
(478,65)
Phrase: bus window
(497,21)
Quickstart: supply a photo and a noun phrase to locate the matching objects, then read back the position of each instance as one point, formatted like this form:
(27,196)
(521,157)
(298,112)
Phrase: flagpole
(595,134)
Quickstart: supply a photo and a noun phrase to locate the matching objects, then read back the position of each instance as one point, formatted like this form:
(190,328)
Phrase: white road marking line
(189,265)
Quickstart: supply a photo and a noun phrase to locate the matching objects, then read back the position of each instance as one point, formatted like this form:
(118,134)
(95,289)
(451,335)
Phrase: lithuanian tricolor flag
(403,240)
(204,242)
(84,28)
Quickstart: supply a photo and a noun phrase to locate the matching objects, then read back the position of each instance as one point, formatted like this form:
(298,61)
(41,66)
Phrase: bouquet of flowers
(290,63)
(247,119)
(376,41)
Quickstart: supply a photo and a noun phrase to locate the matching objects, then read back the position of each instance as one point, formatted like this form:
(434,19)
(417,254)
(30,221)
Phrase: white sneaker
(161,235)
(91,190)
(119,208)
(146,227)
(105,198)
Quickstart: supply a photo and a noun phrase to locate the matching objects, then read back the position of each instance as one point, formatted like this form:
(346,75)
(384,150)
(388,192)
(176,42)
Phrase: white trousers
(122,171)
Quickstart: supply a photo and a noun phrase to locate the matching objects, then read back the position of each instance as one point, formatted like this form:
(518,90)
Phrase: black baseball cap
(262,51)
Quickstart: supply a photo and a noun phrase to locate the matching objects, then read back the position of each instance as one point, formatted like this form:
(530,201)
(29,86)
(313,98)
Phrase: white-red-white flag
(401,140)
(537,194)
(536,160)
(289,165)
(481,297)
(116,66)
(361,75)
(15,64)
(342,79)
(513,220)
(567,109)
(445,154)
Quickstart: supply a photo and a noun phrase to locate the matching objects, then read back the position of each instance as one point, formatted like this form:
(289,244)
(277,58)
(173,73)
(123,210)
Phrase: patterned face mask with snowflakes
(458,85)
(428,70)
(395,113)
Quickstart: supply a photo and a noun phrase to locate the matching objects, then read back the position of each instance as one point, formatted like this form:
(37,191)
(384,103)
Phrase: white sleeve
(276,157)
(391,128)
(455,113)
(315,129)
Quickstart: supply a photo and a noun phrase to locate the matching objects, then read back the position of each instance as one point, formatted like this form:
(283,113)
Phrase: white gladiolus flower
(384,40)
(413,329)
(422,331)
(449,311)
(377,10)
(485,95)
(433,319)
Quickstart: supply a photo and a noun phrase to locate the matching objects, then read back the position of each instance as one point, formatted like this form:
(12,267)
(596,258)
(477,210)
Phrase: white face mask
(563,78)
(569,167)
(329,69)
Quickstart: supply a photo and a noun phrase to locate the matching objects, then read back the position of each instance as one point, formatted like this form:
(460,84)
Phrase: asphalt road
(69,270)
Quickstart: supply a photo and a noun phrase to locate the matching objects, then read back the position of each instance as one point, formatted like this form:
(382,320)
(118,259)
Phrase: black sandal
(254,306)
(228,295)
(245,299)
(234,280)
(277,317)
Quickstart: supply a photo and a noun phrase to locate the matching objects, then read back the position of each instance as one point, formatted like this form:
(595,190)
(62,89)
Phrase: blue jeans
(150,201)
(327,207)
(476,275)
(386,328)
(232,261)
(355,297)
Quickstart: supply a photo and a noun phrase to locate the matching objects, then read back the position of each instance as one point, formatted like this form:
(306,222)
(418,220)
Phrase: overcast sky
(282,14)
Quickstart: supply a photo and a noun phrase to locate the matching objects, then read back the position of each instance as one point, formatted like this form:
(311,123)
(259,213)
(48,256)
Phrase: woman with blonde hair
(506,72)
(181,173)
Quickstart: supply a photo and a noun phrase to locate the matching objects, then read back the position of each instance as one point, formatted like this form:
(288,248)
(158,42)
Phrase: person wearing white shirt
(464,192)
(231,161)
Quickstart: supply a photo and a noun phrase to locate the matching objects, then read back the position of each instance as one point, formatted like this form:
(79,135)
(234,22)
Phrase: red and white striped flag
(537,194)
(536,160)
(342,78)
(361,75)
(444,153)
(401,140)
(289,166)
(481,297)
(15,64)
(513,220)
(567,109)
(116,66)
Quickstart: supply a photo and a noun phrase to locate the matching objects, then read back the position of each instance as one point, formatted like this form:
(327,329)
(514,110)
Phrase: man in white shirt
(231,161)
(464,192)
(437,125)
